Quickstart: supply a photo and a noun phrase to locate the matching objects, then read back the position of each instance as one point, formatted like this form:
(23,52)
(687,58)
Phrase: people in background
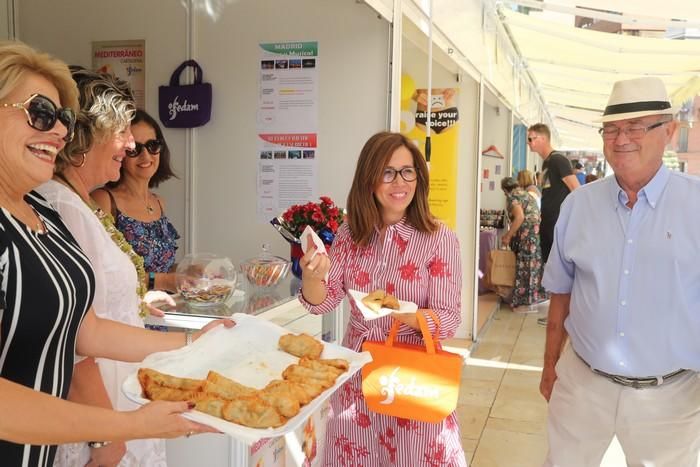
(94,157)
(526,181)
(523,237)
(47,284)
(580,174)
(557,181)
(591,178)
(626,298)
(391,242)
(139,213)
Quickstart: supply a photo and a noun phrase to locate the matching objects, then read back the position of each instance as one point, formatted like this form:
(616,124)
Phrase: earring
(82,162)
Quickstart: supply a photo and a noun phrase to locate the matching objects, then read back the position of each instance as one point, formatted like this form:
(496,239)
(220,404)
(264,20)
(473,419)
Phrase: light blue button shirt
(633,274)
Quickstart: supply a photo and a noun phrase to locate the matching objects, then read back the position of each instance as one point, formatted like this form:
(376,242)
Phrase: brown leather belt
(636,383)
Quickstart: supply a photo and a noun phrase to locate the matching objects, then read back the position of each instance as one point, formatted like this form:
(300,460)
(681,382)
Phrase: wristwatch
(98,444)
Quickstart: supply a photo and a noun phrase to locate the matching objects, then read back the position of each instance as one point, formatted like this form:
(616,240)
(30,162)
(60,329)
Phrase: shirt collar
(651,192)
(402,228)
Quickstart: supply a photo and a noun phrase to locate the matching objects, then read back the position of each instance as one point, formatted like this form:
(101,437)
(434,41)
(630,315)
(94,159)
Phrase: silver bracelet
(98,444)
(188,337)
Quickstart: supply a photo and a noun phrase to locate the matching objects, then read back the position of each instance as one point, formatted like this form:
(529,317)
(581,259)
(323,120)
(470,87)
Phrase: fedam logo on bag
(391,386)
(174,107)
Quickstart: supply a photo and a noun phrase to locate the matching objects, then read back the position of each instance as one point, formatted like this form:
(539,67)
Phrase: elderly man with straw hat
(625,287)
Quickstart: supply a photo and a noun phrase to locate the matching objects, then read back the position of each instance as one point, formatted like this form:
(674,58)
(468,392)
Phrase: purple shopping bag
(185,106)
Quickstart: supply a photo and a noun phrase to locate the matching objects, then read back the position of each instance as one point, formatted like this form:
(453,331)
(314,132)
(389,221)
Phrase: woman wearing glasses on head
(139,213)
(100,145)
(390,241)
(47,284)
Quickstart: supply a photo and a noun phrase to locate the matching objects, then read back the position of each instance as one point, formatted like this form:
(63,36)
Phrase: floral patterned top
(155,241)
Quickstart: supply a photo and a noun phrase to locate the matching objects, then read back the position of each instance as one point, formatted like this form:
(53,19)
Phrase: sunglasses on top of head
(42,114)
(153,146)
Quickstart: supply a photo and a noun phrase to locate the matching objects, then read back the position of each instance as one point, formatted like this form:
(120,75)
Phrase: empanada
(162,379)
(390,302)
(374,299)
(378,299)
(285,388)
(301,345)
(299,373)
(224,387)
(318,365)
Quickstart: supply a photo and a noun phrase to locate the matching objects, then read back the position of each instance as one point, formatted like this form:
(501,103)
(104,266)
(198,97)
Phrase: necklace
(107,222)
(149,208)
(40,225)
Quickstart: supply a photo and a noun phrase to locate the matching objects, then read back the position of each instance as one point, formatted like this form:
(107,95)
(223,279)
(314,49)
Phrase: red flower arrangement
(322,217)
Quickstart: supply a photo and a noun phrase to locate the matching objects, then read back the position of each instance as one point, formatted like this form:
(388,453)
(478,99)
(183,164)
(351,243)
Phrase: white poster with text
(287,124)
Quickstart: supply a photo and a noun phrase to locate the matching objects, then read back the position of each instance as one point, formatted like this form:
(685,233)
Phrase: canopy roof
(574,69)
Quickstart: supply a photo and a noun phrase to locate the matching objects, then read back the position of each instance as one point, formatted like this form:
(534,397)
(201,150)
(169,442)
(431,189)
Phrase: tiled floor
(502,414)
(487,304)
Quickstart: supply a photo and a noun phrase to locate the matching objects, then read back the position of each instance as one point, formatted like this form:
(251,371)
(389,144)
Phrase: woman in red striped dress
(390,241)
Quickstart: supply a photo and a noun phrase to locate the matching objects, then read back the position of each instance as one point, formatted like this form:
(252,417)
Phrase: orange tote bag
(412,381)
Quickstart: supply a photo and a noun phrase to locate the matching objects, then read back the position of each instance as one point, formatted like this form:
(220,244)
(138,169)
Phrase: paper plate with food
(255,380)
(378,303)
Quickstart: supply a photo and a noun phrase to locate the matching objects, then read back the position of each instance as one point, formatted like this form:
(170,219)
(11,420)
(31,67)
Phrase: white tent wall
(497,131)
(67,28)
(6,19)
(353,95)
(445,71)
(480,44)
(353,99)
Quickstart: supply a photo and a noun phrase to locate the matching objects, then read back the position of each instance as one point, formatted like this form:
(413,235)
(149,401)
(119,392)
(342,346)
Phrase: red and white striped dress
(413,266)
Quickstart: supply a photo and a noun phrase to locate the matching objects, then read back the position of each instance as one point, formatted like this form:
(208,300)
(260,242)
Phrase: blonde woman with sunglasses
(139,213)
(47,285)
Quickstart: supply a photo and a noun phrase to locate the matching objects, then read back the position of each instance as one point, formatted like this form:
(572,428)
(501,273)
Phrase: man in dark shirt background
(557,179)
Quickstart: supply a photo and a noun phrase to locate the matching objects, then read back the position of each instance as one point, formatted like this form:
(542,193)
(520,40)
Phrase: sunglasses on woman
(42,114)
(153,146)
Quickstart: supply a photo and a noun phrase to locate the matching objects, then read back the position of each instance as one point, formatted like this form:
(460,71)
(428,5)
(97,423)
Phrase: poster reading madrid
(126,60)
(287,124)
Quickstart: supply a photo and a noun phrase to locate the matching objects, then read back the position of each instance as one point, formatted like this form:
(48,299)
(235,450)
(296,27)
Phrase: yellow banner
(444,137)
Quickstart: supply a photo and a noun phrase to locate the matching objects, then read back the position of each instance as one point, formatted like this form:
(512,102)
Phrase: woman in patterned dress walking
(390,241)
(524,239)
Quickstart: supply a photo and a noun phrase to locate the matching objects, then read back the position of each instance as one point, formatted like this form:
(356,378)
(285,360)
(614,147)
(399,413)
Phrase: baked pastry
(225,398)
(301,345)
(374,300)
(378,299)
(390,302)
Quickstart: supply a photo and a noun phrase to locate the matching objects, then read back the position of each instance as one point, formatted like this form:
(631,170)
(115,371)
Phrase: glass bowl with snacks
(265,270)
(204,279)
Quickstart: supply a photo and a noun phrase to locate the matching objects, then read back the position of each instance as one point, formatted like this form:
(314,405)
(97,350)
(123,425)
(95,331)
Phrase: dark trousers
(547,235)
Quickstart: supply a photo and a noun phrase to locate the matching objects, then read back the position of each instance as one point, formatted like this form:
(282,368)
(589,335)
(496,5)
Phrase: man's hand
(549,376)
(107,456)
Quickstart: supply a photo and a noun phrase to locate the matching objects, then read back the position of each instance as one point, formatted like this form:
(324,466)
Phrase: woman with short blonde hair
(527,182)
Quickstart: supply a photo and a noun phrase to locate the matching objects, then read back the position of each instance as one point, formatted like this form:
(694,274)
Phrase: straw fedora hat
(637,97)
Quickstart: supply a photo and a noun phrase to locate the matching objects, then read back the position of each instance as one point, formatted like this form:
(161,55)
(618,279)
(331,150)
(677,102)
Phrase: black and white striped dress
(46,287)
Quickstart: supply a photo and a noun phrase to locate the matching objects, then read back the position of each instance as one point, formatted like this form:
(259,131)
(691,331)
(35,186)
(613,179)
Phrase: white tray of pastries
(241,374)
